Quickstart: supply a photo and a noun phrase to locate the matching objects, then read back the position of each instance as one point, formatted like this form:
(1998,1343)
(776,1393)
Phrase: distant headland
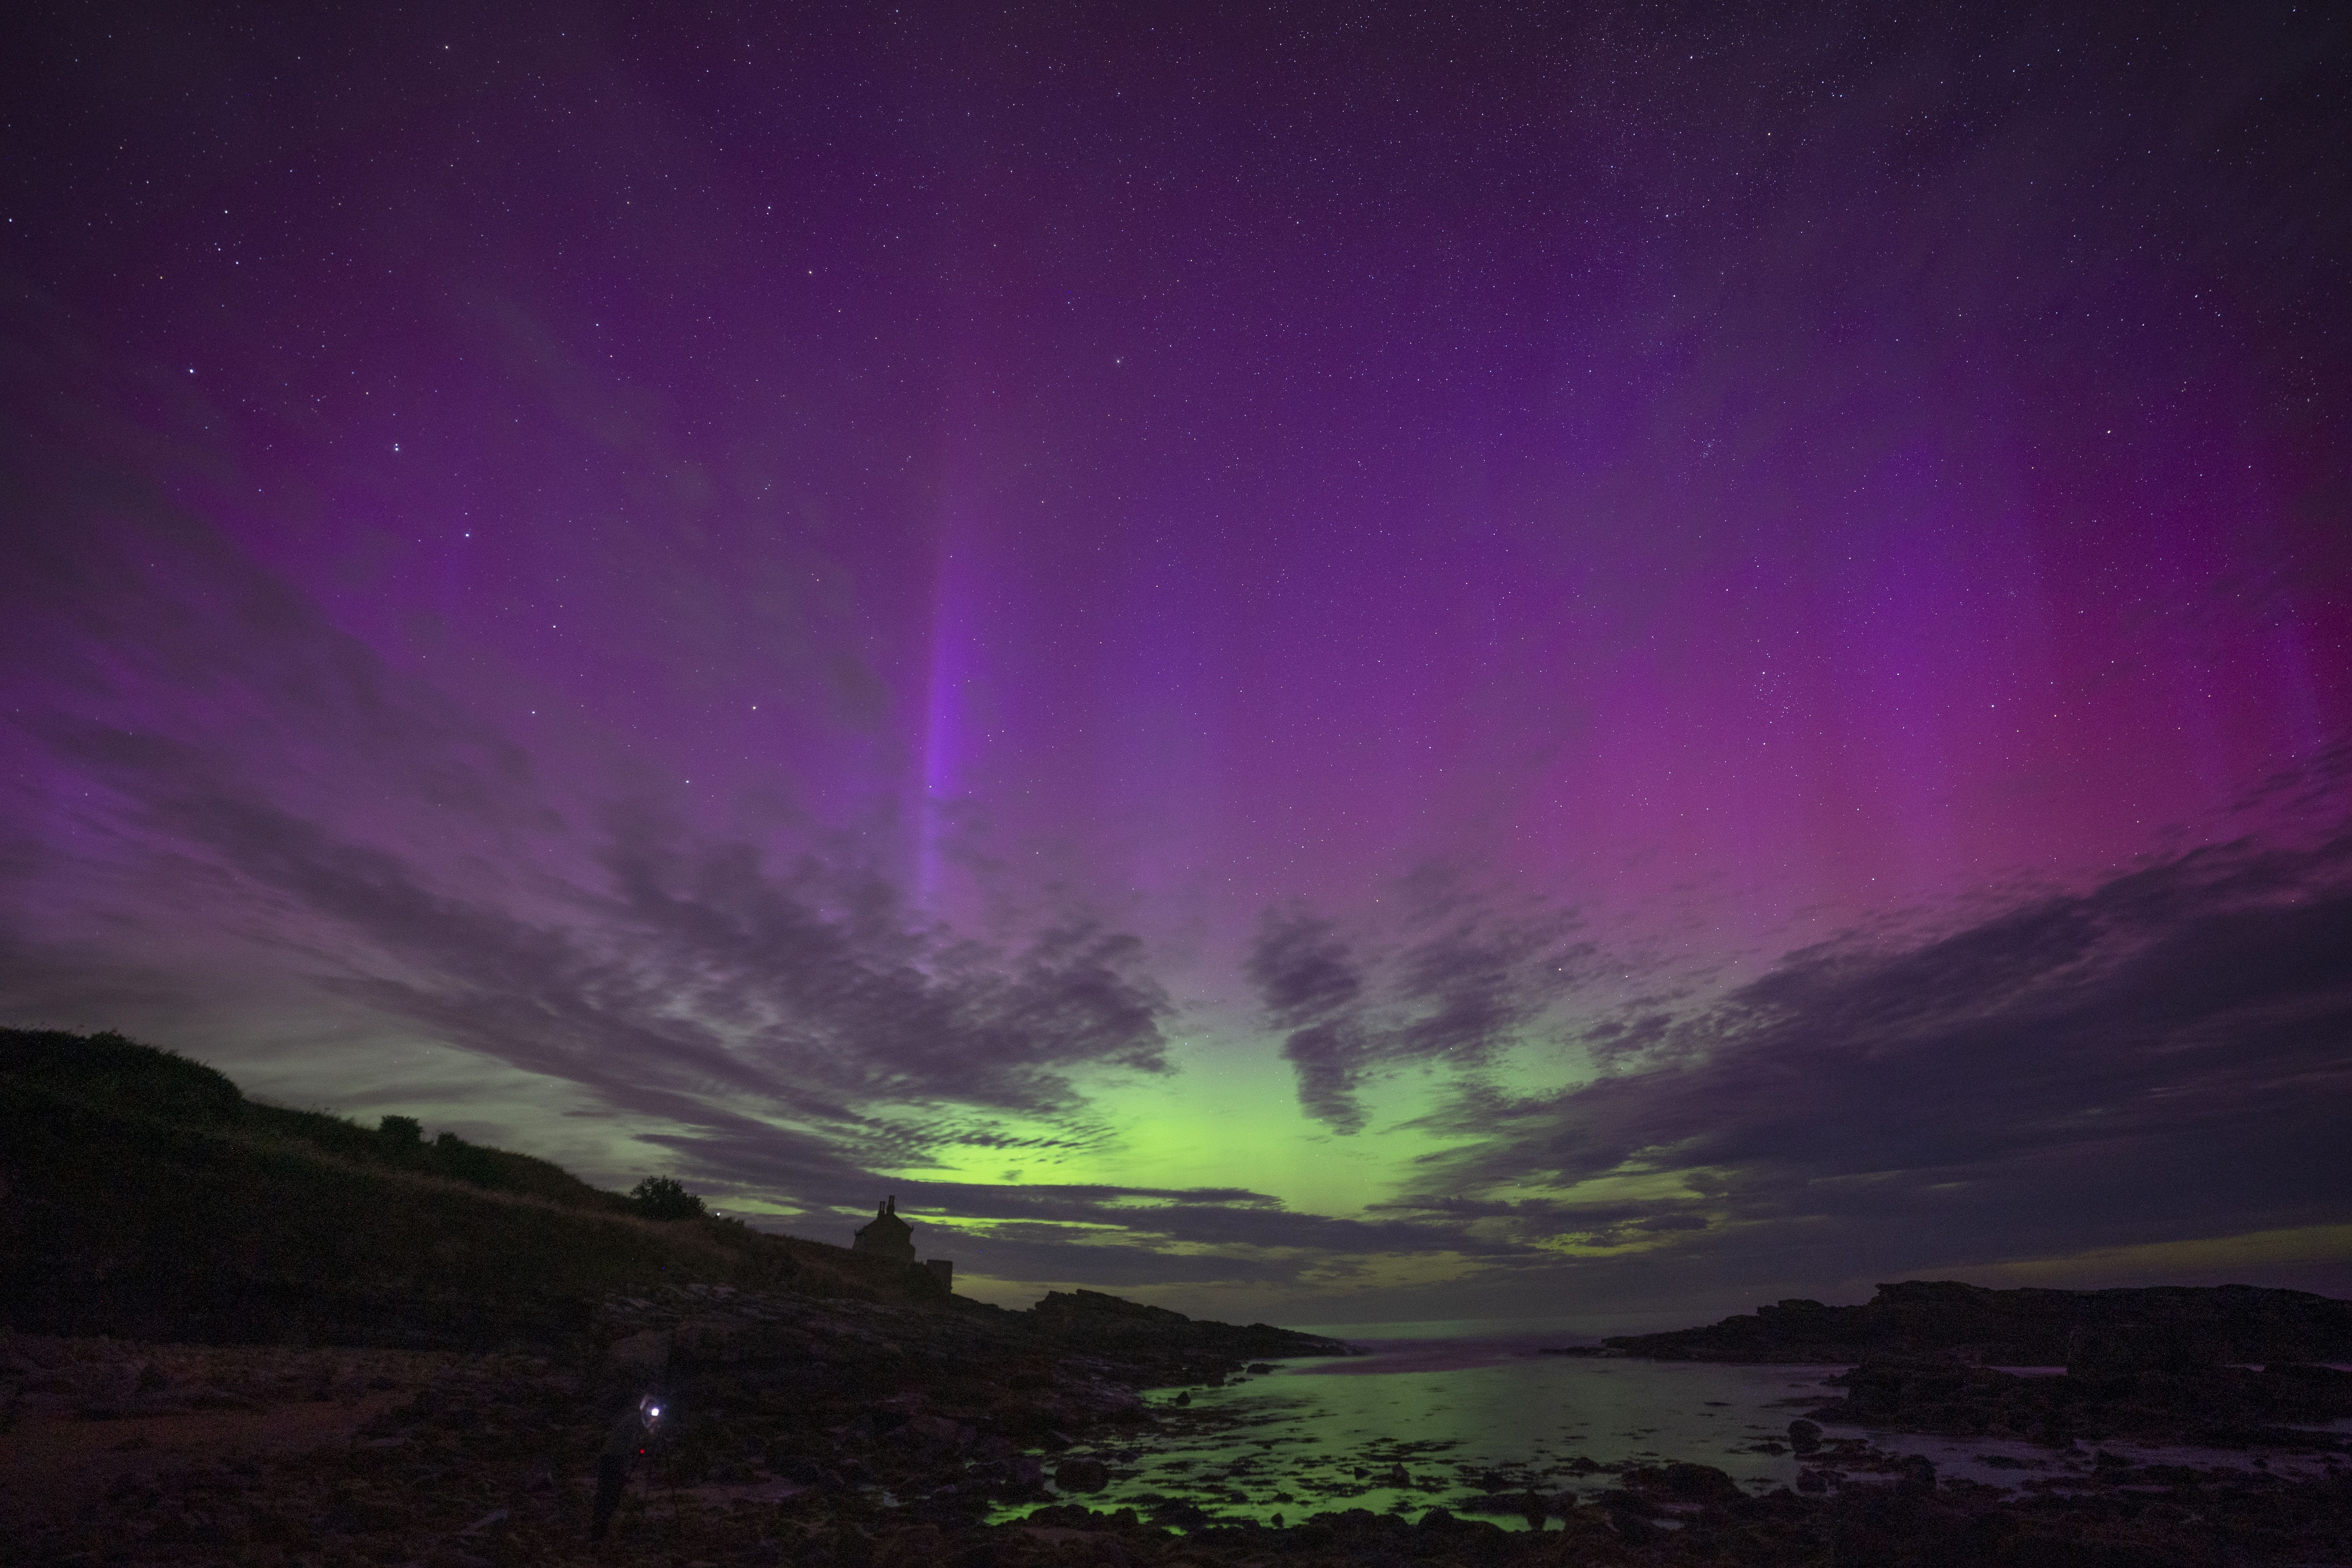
(2158,1328)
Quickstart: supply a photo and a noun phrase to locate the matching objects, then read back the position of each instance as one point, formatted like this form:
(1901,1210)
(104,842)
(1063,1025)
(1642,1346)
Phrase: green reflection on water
(1474,1439)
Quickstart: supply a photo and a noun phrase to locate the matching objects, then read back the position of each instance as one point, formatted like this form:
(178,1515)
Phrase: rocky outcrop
(2166,1328)
(1091,1321)
(2212,1406)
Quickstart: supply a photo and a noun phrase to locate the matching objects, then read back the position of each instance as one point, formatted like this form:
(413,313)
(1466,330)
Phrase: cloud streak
(217,763)
(2166,1055)
(1465,981)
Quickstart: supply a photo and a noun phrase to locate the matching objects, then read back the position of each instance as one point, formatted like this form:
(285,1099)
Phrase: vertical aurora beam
(951,656)
(954,649)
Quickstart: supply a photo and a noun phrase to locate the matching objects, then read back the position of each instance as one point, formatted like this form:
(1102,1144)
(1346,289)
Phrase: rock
(710,1338)
(355,1512)
(1683,1483)
(1629,1515)
(647,1352)
(2124,1349)
(1804,1436)
(918,1547)
(206,1398)
(2212,1407)
(936,1432)
(1082,1475)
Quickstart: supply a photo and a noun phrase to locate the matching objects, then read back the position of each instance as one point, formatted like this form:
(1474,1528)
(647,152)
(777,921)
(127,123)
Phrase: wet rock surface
(2221,1407)
(841,1434)
(775,1402)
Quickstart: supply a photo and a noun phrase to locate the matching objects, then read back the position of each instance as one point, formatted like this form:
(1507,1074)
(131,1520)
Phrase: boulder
(647,1352)
(2124,1349)
(1683,1483)
(935,1432)
(1082,1475)
(918,1547)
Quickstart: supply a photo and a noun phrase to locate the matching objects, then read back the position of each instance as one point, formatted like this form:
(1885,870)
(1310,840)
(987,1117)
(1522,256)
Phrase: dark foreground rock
(801,1410)
(471,1461)
(846,1435)
(2163,1329)
(2225,1407)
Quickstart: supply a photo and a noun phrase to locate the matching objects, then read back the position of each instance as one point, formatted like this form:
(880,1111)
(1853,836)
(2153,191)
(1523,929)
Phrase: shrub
(662,1197)
(405,1131)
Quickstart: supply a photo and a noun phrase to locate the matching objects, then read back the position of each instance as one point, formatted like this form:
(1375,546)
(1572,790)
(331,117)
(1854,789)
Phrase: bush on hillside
(662,1197)
(403,1132)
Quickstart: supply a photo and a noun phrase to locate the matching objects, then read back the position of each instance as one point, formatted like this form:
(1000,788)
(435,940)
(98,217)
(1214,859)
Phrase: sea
(1472,1417)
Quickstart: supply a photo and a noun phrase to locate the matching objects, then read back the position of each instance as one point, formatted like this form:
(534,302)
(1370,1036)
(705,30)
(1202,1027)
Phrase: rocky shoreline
(848,1434)
(803,1408)
(2214,1407)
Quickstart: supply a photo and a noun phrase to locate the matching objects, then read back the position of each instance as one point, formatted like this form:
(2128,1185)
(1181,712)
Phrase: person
(630,1436)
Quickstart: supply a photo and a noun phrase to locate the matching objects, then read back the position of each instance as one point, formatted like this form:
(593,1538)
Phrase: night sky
(1322,665)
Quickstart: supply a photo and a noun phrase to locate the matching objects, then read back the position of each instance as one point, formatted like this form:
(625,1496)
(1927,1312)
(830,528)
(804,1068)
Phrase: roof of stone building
(885,1218)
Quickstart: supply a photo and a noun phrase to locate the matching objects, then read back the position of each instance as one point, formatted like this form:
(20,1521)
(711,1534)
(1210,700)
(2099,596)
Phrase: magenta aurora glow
(1318,665)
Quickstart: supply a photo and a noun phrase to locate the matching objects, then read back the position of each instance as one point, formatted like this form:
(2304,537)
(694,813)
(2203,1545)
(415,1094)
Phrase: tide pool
(1475,1423)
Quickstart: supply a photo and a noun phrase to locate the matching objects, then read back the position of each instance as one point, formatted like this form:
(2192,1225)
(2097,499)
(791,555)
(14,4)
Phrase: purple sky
(1303,663)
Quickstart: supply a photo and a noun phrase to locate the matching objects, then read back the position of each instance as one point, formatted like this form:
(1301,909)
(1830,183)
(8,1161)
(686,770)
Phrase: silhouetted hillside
(142,1194)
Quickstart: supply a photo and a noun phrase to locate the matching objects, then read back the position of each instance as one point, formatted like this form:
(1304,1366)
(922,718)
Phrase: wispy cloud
(216,766)
(2164,1054)
(1461,981)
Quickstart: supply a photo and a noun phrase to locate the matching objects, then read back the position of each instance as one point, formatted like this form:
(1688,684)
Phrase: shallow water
(1472,1423)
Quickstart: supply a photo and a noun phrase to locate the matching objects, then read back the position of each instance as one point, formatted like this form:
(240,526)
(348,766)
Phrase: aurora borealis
(1312,664)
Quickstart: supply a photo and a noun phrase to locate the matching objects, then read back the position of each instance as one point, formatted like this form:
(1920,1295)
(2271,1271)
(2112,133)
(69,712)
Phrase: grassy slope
(142,1194)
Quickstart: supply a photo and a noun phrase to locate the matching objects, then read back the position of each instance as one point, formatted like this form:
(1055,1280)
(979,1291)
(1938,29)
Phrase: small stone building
(887,1236)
